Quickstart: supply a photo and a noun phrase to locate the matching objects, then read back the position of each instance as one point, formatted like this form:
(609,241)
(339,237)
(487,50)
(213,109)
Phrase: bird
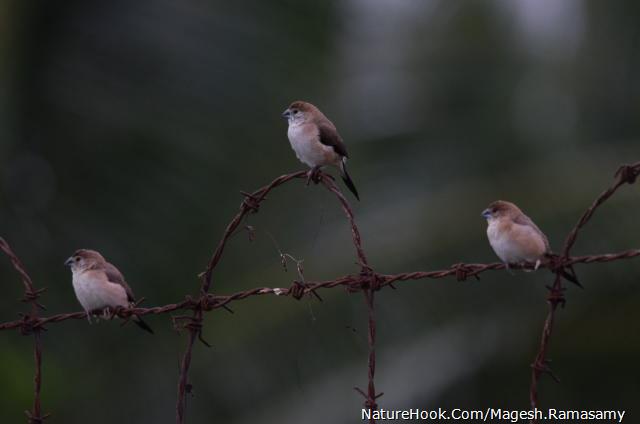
(514,237)
(316,141)
(99,285)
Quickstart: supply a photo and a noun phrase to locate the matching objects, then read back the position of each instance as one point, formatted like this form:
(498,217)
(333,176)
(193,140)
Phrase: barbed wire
(31,295)
(366,281)
(563,268)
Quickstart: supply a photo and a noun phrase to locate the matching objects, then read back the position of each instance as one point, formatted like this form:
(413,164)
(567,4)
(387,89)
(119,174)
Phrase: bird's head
(500,209)
(83,259)
(298,112)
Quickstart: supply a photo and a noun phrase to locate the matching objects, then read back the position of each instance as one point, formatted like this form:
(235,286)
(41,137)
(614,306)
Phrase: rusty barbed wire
(626,174)
(30,325)
(366,281)
(250,204)
(351,282)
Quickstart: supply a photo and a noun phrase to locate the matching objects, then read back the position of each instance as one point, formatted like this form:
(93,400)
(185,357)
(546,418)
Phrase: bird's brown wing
(116,277)
(523,219)
(329,137)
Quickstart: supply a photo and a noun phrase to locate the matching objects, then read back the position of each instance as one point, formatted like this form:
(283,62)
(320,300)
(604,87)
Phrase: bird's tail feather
(347,179)
(140,323)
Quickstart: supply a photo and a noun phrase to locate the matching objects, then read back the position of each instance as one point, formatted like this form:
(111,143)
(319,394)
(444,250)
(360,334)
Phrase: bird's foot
(313,175)
(88,316)
(525,265)
(107,313)
(509,270)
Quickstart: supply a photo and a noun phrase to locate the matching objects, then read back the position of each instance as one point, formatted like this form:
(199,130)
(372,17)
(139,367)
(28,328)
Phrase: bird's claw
(313,175)
(509,270)
(107,313)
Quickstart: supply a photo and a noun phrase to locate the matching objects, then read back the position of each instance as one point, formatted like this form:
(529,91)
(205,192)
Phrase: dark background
(130,127)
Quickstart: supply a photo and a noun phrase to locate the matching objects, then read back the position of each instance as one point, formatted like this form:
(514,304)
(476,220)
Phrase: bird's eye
(494,210)
(295,112)
(77,259)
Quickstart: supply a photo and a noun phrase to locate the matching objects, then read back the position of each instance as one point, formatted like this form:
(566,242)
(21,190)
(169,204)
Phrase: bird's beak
(69,261)
(286,114)
(486,213)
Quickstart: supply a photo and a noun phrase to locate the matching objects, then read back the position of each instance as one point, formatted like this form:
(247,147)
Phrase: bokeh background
(130,127)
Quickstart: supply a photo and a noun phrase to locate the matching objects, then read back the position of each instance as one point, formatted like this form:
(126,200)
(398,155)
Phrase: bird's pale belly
(513,250)
(308,148)
(88,295)
(93,295)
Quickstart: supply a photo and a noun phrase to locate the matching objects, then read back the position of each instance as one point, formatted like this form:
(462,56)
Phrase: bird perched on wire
(513,235)
(99,285)
(316,141)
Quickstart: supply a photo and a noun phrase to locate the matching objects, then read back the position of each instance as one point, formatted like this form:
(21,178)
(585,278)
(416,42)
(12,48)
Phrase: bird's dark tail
(140,323)
(347,179)
(568,273)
